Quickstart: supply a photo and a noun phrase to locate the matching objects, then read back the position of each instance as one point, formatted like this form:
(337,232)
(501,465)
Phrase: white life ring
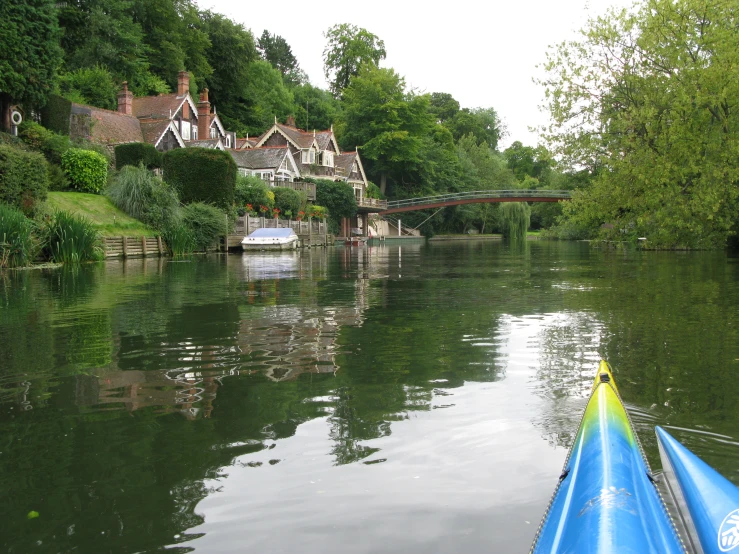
(16,117)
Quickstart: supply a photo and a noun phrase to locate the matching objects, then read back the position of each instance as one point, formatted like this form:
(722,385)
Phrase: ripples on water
(405,400)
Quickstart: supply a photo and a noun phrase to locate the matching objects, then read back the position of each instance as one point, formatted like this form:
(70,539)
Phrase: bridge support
(365,225)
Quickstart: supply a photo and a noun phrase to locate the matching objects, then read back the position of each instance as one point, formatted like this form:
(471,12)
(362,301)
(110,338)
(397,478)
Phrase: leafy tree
(277,51)
(443,106)
(526,161)
(649,97)
(266,96)
(90,85)
(338,198)
(314,108)
(349,48)
(29,52)
(386,123)
(483,123)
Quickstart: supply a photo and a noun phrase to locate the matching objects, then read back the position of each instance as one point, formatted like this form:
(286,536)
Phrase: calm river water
(375,400)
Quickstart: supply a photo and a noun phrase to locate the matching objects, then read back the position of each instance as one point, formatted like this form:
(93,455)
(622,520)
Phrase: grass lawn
(109,220)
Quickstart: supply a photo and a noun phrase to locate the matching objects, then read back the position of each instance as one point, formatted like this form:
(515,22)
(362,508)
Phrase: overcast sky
(484,54)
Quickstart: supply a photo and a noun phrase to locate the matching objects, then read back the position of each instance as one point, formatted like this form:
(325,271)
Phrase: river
(381,399)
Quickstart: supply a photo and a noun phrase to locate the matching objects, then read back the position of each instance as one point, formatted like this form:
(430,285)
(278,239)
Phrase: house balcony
(308,188)
(371,205)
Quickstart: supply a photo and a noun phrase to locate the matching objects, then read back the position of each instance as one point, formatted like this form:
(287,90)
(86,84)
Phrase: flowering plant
(263,209)
(275,212)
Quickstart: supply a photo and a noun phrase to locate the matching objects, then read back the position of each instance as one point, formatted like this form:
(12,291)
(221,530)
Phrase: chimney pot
(204,116)
(125,100)
(183,83)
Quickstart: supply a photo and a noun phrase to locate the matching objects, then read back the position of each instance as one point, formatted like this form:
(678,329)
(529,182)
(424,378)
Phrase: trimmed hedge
(87,170)
(201,175)
(338,198)
(55,114)
(137,153)
(24,178)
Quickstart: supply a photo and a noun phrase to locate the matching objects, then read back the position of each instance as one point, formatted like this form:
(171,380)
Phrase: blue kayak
(608,501)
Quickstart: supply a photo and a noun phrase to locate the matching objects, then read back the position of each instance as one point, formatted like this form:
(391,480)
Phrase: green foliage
(201,175)
(55,147)
(34,135)
(55,114)
(87,170)
(373,191)
(16,239)
(644,97)
(29,35)
(315,211)
(179,239)
(277,52)
(314,108)
(206,224)
(266,96)
(253,191)
(71,239)
(24,178)
(339,200)
(288,201)
(58,180)
(90,85)
(348,48)
(137,153)
(142,195)
(483,123)
(515,219)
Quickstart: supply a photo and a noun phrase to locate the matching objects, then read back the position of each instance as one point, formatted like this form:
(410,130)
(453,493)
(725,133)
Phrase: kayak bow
(606,500)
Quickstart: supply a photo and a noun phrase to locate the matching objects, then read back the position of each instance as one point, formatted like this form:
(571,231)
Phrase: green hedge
(137,153)
(55,114)
(288,201)
(87,170)
(201,175)
(338,198)
(24,178)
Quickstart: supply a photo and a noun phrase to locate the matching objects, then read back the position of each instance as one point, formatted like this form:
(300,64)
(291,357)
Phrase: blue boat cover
(272,233)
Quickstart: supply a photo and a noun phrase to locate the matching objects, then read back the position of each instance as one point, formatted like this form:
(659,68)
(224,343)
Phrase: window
(243,172)
(185,130)
(213,132)
(195,133)
(328,158)
(355,168)
(228,141)
(309,156)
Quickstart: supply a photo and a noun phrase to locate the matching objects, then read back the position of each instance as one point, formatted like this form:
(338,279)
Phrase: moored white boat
(270,239)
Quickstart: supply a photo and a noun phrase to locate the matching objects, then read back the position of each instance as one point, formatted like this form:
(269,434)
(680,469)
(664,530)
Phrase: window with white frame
(243,172)
(309,156)
(213,132)
(195,132)
(185,130)
(328,158)
(228,141)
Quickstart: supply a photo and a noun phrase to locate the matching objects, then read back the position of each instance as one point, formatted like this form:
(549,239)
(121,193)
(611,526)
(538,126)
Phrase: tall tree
(29,52)
(386,123)
(650,97)
(277,51)
(483,123)
(315,108)
(349,48)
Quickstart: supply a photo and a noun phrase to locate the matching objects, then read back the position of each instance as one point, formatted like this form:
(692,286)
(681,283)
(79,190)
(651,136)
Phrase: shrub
(339,199)
(252,190)
(55,114)
(318,212)
(373,191)
(288,201)
(55,147)
(142,195)
(137,153)
(92,85)
(206,223)
(24,178)
(201,175)
(34,135)
(87,170)
(58,180)
(71,239)
(16,240)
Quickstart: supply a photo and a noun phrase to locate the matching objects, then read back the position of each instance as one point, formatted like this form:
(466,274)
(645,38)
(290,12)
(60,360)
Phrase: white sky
(484,54)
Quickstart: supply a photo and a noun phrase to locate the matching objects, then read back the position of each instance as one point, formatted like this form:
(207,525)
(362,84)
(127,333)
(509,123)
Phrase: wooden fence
(311,233)
(134,247)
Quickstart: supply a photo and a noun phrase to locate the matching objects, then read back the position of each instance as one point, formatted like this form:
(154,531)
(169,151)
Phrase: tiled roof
(108,127)
(208,143)
(324,139)
(298,136)
(157,107)
(266,157)
(345,161)
(242,143)
(153,129)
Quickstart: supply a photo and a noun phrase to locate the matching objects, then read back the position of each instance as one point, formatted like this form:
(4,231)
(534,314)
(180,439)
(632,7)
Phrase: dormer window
(328,158)
(355,168)
(185,130)
(228,141)
(194,132)
(213,132)
(309,156)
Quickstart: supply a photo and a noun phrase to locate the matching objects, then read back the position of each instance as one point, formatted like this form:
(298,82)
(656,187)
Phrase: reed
(179,239)
(72,239)
(16,238)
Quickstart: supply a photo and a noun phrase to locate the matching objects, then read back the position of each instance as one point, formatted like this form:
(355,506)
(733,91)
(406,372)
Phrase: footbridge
(474,197)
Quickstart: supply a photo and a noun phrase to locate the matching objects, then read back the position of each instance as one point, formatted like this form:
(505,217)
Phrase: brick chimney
(290,121)
(204,116)
(125,100)
(183,83)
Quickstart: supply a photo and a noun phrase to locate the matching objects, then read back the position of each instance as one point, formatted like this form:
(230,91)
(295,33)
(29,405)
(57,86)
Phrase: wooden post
(246,224)
(159,245)
(143,246)
(125,247)
(325,233)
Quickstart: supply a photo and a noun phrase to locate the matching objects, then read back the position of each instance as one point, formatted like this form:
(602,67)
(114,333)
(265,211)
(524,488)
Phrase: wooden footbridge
(474,197)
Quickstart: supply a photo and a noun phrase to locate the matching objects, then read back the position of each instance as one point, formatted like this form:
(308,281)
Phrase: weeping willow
(515,218)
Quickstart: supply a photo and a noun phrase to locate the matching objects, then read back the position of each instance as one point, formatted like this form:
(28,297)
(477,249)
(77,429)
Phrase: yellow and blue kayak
(606,501)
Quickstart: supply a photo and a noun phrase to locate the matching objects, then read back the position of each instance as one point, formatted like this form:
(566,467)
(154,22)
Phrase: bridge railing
(480,194)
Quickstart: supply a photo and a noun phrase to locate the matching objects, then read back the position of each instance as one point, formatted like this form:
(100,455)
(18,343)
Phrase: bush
(58,180)
(179,239)
(288,201)
(253,191)
(373,191)
(87,170)
(142,195)
(201,175)
(24,178)
(206,223)
(16,239)
(338,198)
(71,239)
(55,114)
(55,147)
(137,153)
(318,212)
(34,135)
(90,85)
